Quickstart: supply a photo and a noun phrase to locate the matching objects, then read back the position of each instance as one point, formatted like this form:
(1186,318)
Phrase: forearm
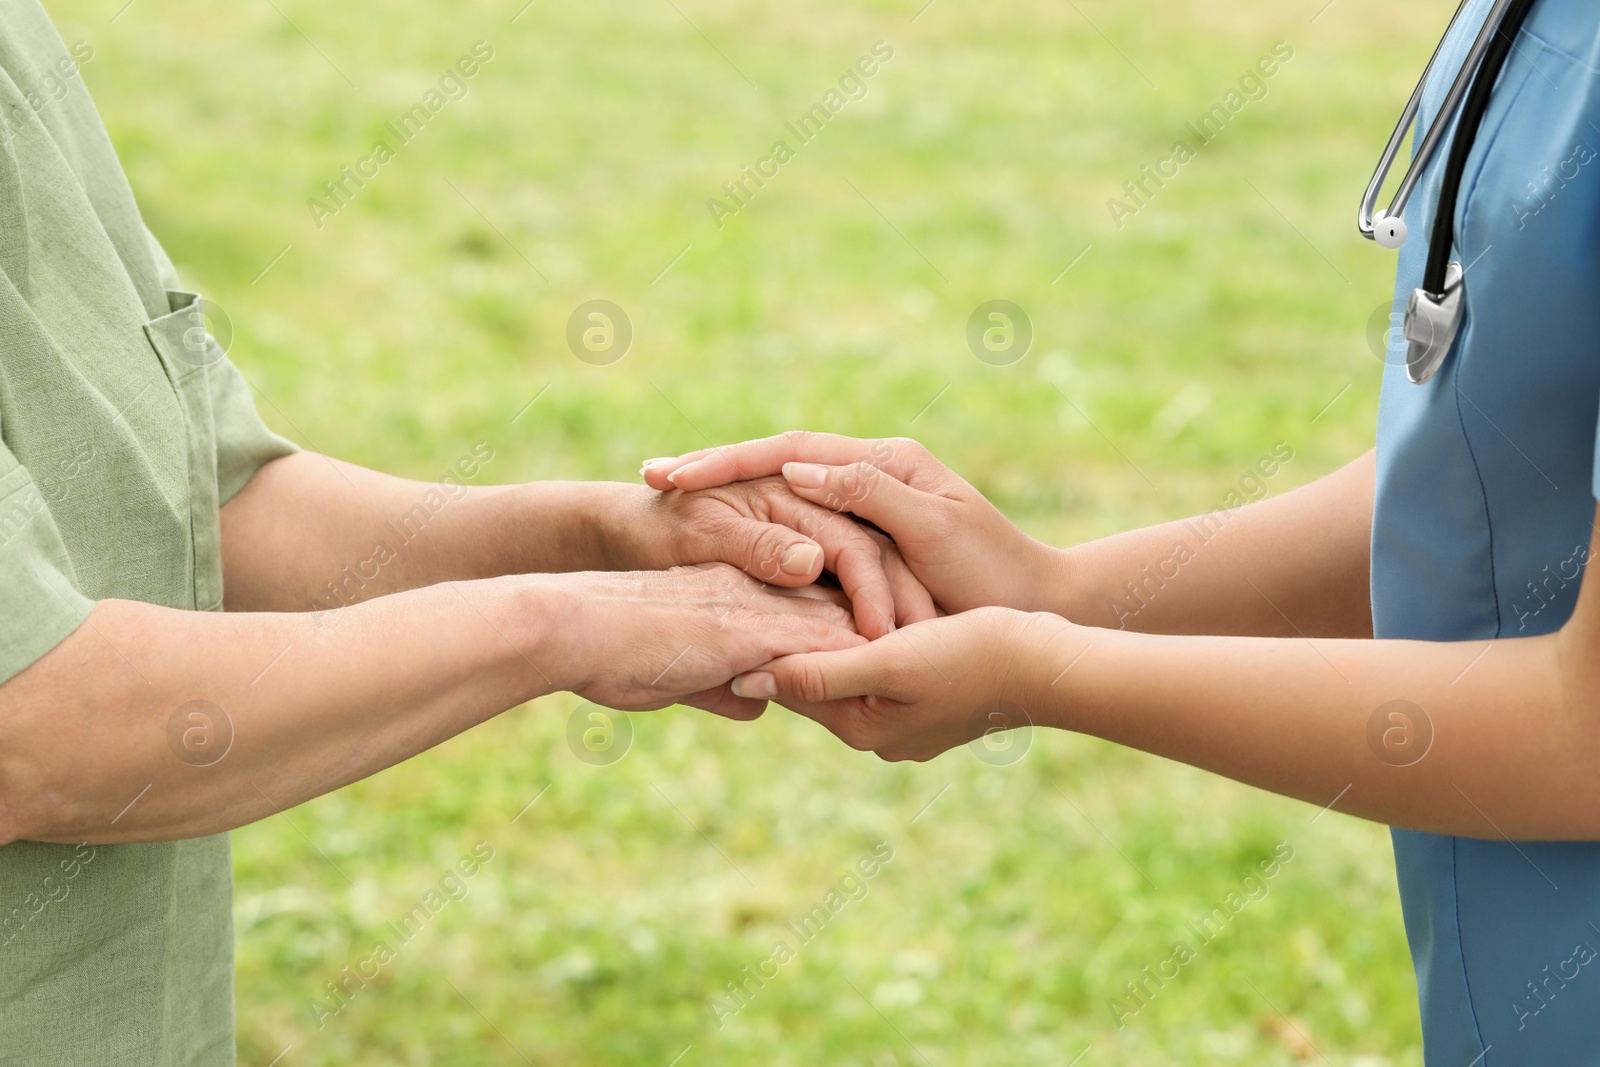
(1291,565)
(1512,751)
(97,742)
(312,533)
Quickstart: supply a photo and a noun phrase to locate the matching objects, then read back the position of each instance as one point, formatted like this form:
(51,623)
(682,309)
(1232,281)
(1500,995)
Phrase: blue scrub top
(1483,523)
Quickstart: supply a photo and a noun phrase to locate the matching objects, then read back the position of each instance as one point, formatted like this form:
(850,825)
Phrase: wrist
(578,526)
(540,617)
(1047,580)
(1048,654)
(623,520)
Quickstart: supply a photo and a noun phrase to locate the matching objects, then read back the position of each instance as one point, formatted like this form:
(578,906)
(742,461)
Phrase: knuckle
(909,447)
(809,682)
(763,490)
(860,570)
(851,484)
(739,543)
(765,556)
(812,523)
(853,547)
(844,528)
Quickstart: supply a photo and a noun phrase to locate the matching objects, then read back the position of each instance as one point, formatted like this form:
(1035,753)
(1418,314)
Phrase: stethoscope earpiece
(1389,231)
(1504,18)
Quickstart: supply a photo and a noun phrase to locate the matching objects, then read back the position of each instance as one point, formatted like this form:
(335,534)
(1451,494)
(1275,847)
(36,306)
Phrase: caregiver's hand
(923,689)
(964,551)
(648,639)
(771,534)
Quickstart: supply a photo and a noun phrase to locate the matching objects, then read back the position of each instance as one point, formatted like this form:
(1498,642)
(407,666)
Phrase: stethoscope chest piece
(1431,323)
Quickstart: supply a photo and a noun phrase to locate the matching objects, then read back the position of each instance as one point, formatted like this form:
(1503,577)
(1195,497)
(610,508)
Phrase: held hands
(936,683)
(957,544)
(772,535)
(682,623)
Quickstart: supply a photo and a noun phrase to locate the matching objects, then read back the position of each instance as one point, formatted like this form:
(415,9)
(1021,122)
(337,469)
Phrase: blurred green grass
(1225,316)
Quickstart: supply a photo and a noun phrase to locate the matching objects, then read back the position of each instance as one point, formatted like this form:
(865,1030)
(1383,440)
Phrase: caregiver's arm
(1494,739)
(1295,564)
(121,732)
(309,532)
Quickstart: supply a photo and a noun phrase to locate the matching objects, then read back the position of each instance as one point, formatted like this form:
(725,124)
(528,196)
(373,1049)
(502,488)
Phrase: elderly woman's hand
(647,639)
(771,534)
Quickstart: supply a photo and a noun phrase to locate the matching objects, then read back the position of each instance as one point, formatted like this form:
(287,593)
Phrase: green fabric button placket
(187,352)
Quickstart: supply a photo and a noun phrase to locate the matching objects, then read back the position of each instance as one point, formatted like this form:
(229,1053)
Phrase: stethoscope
(1433,314)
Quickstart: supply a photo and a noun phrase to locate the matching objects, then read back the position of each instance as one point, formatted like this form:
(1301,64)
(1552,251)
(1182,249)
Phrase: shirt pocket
(187,353)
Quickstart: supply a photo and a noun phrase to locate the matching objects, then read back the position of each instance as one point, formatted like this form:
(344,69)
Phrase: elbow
(41,797)
(53,791)
(20,807)
(10,825)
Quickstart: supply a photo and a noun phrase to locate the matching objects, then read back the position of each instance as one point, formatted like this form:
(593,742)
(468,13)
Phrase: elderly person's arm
(310,533)
(149,723)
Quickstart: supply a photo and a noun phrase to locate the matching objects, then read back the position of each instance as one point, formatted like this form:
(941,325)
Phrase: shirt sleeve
(244,443)
(40,603)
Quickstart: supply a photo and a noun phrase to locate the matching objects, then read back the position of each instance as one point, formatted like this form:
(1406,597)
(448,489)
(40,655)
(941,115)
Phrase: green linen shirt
(123,429)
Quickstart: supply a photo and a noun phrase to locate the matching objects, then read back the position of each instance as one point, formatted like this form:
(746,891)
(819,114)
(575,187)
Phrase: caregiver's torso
(1482,528)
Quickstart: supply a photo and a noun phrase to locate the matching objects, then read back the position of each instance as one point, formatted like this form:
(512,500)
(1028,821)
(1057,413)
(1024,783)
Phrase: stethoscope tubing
(1472,112)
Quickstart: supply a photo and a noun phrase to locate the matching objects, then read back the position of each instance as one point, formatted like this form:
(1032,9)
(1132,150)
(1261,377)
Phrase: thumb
(818,677)
(768,552)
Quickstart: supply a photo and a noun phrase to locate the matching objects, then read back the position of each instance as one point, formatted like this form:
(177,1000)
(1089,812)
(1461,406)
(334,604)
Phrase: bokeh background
(1227,314)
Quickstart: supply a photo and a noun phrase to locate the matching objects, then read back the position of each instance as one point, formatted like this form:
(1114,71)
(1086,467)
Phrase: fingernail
(757,684)
(658,459)
(805,475)
(673,477)
(800,559)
